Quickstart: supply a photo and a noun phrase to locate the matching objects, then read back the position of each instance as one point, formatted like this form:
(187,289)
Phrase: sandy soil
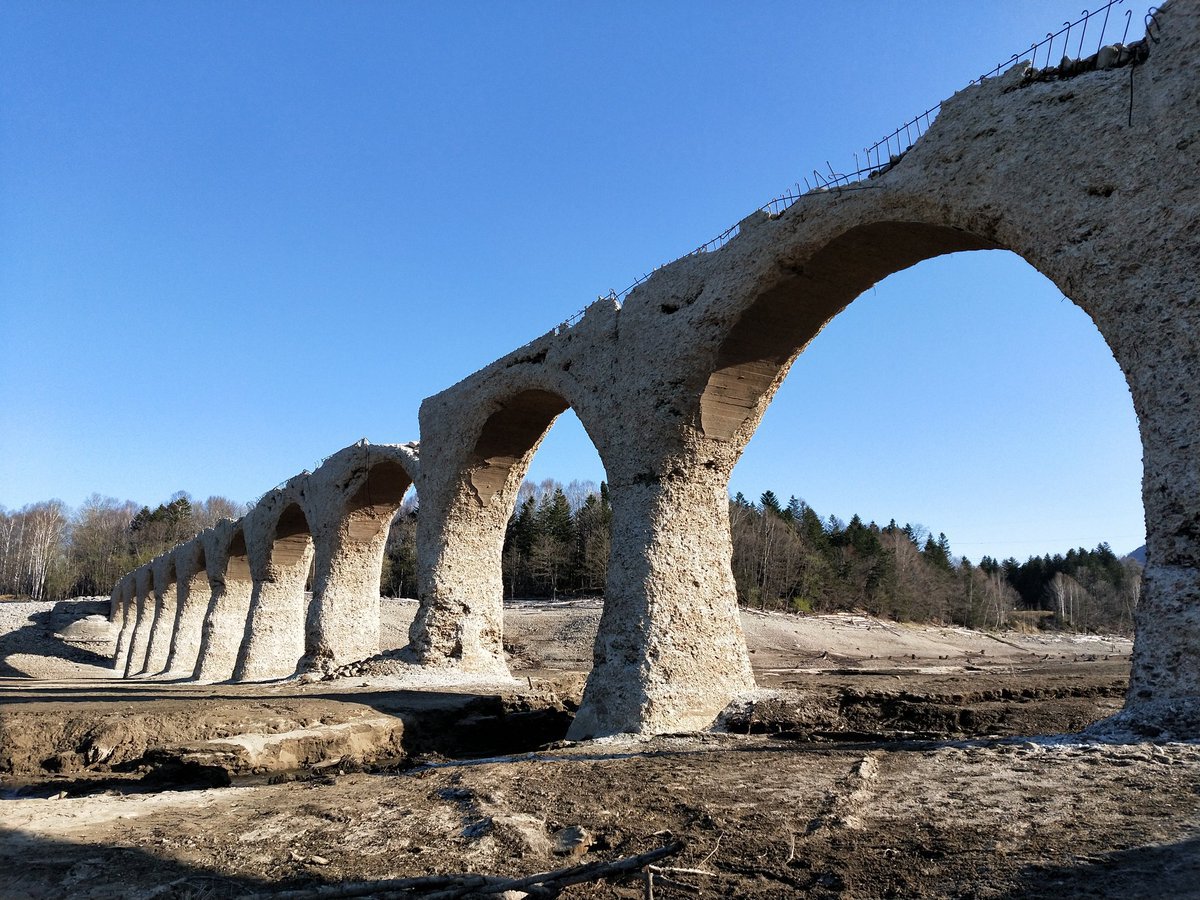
(877,760)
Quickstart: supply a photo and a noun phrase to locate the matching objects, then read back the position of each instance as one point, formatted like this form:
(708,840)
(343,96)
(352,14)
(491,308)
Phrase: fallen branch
(553,882)
(451,887)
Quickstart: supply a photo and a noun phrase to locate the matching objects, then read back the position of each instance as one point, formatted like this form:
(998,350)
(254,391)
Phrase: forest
(786,556)
(49,552)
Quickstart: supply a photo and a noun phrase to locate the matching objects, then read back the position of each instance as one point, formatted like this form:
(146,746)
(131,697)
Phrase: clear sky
(235,237)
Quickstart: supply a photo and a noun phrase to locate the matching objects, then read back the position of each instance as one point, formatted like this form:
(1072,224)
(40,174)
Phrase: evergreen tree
(937,553)
(795,508)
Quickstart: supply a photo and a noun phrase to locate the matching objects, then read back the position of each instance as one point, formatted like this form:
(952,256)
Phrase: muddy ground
(877,760)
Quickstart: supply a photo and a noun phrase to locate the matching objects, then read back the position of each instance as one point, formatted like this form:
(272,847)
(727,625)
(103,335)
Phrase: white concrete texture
(143,612)
(166,608)
(671,386)
(281,551)
(225,620)
(194,597)
(123,617)
(350,502)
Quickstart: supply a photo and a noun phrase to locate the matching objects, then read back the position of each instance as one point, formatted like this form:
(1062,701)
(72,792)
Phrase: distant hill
(1139,554)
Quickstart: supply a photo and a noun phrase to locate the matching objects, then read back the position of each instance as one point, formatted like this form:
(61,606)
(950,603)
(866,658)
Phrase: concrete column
(343,622)
(350,502)
(166,603)
(477,443)
(126,618)
(1164,683)
(460,621)
(225,622)
(144,606)
(280,561)
(115,614)
(670,653)
(194,595)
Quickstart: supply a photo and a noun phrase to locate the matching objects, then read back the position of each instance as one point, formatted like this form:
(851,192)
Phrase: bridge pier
(195,595)
(1164,682)
(166,605)
(670,654)
(343,623)
(460,621)
(125,620)
(225,621)
(143,591)
(350,502)
(281,551)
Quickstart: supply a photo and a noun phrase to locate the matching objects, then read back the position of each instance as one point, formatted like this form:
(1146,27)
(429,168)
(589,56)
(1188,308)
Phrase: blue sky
(237,237)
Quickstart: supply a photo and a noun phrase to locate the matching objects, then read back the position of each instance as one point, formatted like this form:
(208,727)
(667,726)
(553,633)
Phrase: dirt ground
(876,760)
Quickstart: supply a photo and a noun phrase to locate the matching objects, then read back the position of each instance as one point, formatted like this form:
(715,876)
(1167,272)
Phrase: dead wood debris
(460,887)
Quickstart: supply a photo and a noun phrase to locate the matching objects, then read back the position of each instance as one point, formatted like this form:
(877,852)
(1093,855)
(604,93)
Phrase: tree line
(788,557)
(49,552)
(557,542)
(785,556)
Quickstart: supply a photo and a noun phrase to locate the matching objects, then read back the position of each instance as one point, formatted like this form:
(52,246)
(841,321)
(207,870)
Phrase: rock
(89,630)
(574,840)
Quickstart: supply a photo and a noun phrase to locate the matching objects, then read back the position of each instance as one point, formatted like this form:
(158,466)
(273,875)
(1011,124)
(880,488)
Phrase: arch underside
(370,508)
(783,320)
(237,566)
(508,437)
(293,538)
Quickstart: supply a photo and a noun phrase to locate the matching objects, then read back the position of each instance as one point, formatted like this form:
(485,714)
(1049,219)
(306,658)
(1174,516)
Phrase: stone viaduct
(1088,172)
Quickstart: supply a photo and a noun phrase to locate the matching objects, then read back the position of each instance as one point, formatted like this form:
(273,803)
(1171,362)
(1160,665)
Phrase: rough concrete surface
(1054,166)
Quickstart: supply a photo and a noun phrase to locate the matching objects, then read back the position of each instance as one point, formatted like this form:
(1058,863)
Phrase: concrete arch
(509,438)
(224,625)
(670,651)
(349,503)
(741,315)
(670,386)
(125,619)
(281,550)
(195,594)
(769,334)
(479,438)
(166,608)
(144,602)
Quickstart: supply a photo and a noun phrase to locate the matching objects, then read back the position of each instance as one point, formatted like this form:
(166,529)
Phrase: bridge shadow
(36,638)
(1152,870)
(32,866)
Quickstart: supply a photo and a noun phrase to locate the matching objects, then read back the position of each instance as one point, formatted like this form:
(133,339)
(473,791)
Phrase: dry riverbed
(876,760)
